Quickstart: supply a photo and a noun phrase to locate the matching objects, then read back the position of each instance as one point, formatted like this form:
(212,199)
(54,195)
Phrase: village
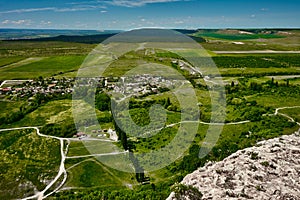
(29,88)
(139,85)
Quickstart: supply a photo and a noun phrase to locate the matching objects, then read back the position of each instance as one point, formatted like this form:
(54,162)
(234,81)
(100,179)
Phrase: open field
(43,49)
(46,114)
(232,40)
(80,148)
(9,60)
(45,67)
(91,173)
(238,36)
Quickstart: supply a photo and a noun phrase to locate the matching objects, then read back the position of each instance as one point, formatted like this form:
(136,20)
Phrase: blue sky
(130,14)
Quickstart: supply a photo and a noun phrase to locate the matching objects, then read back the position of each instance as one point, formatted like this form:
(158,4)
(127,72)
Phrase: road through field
(24,62)
(62,171)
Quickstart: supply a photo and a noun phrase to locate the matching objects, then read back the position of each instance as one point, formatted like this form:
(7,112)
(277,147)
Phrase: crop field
(46,67)
(9,60)
(232,40)
(258,61)
(42,49)
(237,36)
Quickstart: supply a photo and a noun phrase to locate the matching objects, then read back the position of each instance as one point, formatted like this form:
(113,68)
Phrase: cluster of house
(101,133)
(136,84)
(142,84)
(45,86)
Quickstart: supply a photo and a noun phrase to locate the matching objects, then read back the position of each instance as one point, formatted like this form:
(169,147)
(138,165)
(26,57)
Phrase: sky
(132,14)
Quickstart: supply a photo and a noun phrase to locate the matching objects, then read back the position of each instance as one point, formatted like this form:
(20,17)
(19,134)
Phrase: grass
(78,148)
(7,107)
(41,49)
(271,71)
(27,162)
(292,112)
(237,36)
(91,173)
(274,100)
(46,114)
(46,67)
(9,60)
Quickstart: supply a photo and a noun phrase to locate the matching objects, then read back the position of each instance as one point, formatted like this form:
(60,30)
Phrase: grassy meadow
(31,156)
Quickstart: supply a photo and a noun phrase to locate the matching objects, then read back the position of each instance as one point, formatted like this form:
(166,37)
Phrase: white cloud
(5,21)
(79,8)
(264,9)
(253,16)
(45,23)
(103,11)
(72,9)
(26,10)
(91,5)
(138,3)
(26,22)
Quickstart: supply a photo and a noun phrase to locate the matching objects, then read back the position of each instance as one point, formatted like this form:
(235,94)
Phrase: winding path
(62,170)
(290,118)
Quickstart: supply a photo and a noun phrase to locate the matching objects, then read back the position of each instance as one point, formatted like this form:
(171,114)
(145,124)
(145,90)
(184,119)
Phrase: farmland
(46,67)
(255,86)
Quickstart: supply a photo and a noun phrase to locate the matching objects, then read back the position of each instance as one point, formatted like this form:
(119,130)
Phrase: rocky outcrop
(270,170)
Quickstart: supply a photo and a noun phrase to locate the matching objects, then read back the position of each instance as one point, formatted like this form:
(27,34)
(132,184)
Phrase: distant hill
(88,39)
(16,34)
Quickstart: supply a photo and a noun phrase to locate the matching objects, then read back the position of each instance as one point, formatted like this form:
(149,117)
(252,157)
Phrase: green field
(292,112)
(92,173)
(28,162)
(7,107)
(46,114)
(237,36)
(42,49)
(47,67)
(9,60)
(251,95)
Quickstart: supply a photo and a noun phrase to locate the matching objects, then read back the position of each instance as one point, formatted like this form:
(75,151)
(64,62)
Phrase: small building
(80,135)
(112,134)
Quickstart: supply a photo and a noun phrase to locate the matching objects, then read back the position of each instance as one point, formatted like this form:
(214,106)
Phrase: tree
(167,103)
(272,81)
(102,101)
(232,83)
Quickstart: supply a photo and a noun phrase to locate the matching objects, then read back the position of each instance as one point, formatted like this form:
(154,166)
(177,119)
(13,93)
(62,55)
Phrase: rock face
(270,170)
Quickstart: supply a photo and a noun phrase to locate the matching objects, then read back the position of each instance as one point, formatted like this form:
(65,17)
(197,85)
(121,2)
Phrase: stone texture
(270,170)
